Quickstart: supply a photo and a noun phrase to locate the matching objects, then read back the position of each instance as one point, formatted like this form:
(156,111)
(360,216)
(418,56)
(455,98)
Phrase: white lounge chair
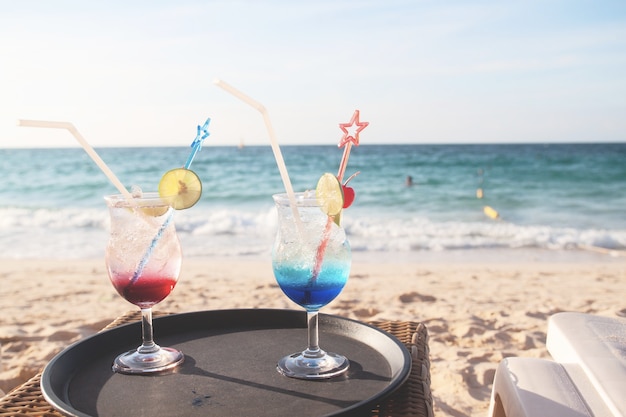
(586,378)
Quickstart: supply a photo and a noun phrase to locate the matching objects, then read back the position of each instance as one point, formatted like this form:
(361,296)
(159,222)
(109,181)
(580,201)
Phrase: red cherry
(348,196)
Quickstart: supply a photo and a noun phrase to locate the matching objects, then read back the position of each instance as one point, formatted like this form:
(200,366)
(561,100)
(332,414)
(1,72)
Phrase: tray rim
(398,378)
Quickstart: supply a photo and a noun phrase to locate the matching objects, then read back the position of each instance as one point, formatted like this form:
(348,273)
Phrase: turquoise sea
(549,197)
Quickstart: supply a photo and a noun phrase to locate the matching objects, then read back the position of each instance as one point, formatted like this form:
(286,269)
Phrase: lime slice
(154,211)
(329,194)
(181,188)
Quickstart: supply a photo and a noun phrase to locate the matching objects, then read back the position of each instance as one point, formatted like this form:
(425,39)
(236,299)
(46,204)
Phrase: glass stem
(148,345)
(313,351)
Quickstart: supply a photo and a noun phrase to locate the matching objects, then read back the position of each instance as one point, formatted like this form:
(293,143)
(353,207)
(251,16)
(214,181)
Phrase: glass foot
(133,362)
(323,366)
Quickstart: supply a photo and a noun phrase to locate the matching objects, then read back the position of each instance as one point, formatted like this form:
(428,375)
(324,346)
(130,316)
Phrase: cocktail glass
(307,282)
(143,259)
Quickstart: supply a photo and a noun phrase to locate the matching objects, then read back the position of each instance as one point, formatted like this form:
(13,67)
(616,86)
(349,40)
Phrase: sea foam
(80,233)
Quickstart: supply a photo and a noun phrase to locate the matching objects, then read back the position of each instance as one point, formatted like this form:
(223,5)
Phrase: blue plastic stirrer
(196,145)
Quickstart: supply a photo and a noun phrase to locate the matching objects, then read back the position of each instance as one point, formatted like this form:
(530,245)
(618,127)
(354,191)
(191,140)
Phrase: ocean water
(550,197)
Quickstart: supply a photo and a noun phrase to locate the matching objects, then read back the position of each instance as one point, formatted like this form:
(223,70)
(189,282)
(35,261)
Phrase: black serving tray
(229,368)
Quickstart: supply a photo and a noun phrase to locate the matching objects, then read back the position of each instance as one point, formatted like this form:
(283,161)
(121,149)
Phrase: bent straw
(86,146)
(282,168)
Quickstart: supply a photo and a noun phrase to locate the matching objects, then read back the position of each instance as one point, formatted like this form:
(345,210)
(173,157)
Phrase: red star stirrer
(348,140)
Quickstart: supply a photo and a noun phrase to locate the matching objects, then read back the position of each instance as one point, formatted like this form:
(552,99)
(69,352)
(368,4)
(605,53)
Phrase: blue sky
(420,71)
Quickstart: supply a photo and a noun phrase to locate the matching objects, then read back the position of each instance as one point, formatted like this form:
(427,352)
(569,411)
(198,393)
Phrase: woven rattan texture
(413,399)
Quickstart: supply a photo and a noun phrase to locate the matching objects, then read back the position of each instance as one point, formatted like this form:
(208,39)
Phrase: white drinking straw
(86,146)
(282,168)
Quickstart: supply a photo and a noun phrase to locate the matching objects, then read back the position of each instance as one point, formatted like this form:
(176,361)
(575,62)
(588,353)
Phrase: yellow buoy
(489,212)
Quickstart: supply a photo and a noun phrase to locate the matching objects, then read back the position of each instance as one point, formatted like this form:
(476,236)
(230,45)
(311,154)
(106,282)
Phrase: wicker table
(412,399)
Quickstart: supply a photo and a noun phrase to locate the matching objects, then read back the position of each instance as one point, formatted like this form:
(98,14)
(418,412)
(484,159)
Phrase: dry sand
(477,310)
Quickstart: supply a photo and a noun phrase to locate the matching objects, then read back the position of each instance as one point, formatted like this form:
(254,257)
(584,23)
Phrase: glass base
(133,362)
(322,366)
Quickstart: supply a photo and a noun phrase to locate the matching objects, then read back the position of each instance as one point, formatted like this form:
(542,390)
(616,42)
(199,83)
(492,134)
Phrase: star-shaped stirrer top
(349,139)
(196,145)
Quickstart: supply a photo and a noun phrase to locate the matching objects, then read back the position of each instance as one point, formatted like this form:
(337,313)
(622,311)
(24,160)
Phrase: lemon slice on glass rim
(181,188)
(156,211)
(329,195)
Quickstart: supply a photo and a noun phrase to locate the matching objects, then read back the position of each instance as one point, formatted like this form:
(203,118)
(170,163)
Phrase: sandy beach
(478,307)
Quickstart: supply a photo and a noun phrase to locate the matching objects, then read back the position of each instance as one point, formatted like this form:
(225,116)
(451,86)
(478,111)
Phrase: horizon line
(258,145)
